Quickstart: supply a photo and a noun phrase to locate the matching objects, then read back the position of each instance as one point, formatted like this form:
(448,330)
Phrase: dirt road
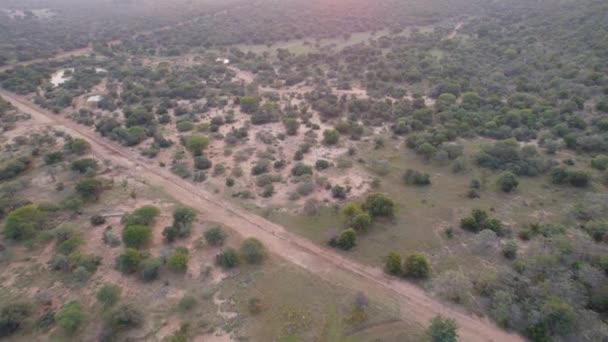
(415,304)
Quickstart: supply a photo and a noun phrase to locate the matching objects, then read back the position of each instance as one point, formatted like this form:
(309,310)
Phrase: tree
(196,143)
(291,125)
(178,260)
(23,222)
(249,104)
(108,295)
(558,315)
(228,258)
(141,216)
(89,188)
(150,269)
(70,316)
(128,261)
(183,217)
(416,266)
(480,220)
(12,317)
(442,329)
(507,181)
(252,251)
(215,236)
(77,146)
(379,204)
(124,316)
(84,165)
(393,263)
(362,222)
(346,240)
(136,236)
(426,150)
(330,137)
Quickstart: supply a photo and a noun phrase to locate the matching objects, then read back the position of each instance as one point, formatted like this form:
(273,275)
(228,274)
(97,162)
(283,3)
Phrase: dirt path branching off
(416,305)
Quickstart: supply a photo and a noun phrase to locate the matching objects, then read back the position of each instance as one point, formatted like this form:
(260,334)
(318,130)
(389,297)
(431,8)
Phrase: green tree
(215,236)
(196,143)
(442,329)
(136,236)
(249,104)
(347,239)
(393,263)
(416,266)
(558,315)
(362,222)
(379,204)
(108,295)
(13,316)
(128,261)
(141,216)
(23,222)
(70,316)
(227,258)
(330,137)
(253,251)
(178,260)
(507,181)
(122,317)
(89,189)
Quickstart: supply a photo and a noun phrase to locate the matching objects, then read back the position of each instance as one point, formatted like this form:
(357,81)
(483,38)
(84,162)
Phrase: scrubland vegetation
(461,147)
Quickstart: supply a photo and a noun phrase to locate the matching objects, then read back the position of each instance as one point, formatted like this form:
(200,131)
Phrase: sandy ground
(417,306)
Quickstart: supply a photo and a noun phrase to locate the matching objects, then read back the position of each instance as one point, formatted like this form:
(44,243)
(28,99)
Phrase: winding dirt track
(415,305)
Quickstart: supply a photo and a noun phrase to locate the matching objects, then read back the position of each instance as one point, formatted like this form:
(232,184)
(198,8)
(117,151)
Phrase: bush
(442,330)
(301,169)
(416,266)
(187,303)
(76,146)
(330,137)
(413,177)
(89,189)
(84,165)
(178,260)
(13,168)
(346,240)
(136,236)
(13,316)
(215,236)
(480,220)
(53,157)
(124,316)
(227,258)
(108,295)
(128,261)
(149,270)
(70,316)
(579,179)
(507,181)
(97,220)
(362,222)
(196,144)
(393,264)
(321,164)
(143,216)
(338,192)
(252,251)
(183,217)
(378,204)
(23,222)
(509,250)
(600,163)
(202,163)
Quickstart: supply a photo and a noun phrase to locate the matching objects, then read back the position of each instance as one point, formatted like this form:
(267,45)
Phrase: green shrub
(228,258)
(442,330)
(84,165)
(128,261)
(196,144)
(507,181)
(321,164)
(89,189)
(136,236)
(393,264)
(23,222)
(600,163)
(301,169)
(252,251)
(13,316)
(346,240)
(143,216)
(378,204)
(413,177)
(187,303)
(150,269)
(416,266)
(480,220)
(122,317)
(330,137)
(361,222)
(215,236)
(70,316)
(108,295)
(178,260)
